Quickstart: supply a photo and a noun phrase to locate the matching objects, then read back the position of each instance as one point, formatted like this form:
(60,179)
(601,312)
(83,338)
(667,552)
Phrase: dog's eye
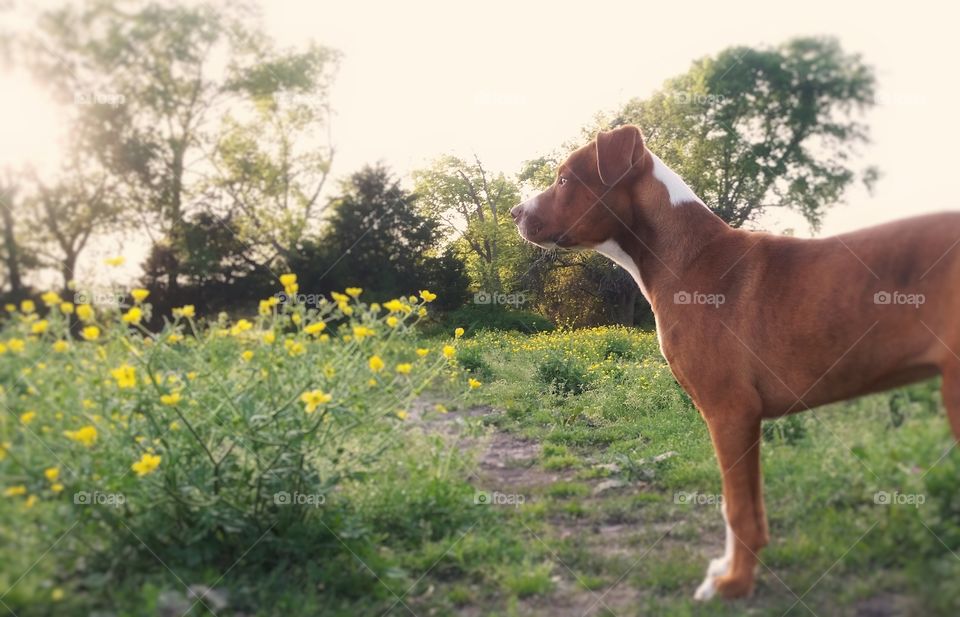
(561,180)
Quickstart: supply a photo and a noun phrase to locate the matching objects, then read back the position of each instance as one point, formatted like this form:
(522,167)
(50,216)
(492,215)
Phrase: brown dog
(755,325)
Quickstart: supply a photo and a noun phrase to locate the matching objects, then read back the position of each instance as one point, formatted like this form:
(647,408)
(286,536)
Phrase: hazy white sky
(512,80)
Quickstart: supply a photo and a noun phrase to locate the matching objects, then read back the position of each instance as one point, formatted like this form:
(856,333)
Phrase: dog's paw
(706,590)
(718,566)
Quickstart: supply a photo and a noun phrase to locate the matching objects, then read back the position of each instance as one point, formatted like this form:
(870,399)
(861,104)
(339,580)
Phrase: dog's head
(591,199)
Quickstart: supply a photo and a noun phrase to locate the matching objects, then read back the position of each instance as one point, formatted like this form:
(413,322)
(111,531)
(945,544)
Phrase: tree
(474,205)
(272,168)
(376,238)
(66,213)
(152,80)
(753,129)
(14,258)
(748,130)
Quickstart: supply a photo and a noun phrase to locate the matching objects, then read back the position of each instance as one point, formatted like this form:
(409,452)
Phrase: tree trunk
(67,269)
(12,256)
(626,307)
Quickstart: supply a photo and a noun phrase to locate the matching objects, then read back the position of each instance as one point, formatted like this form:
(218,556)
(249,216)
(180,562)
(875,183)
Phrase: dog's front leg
(737,443)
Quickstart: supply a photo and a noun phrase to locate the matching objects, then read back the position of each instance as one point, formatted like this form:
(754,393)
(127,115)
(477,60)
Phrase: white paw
(718,566)
(706,590)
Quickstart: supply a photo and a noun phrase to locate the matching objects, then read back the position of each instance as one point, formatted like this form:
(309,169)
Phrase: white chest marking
(612,250)
(678,190)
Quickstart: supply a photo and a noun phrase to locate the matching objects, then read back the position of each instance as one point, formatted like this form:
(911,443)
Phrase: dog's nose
(515,211)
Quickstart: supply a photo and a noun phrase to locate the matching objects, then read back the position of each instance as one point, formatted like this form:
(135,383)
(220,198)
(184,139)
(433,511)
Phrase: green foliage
(753,128)
(471,359)
(269,439)
(376,237)
(453,191)
(480,317)
(563,373)
(791,429)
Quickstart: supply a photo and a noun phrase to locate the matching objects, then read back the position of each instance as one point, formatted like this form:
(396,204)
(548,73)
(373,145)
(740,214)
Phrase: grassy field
(354,468)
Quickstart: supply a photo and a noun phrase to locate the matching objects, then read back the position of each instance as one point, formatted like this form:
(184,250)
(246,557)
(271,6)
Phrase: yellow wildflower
(27,306)
(66,308)
(316,327)
(15,491)
(28,416)
(473,383)
(313,399)
(116,262)
(392,321)
(376,364)
(422,352)
(90,333)
(294,348)
(61,346)
(86,435)
(51,298)
(51,473)
(187,310)
(125,375)
(404,368)
(402,414)
(85,312)
(246,356)
(170,399)
(133,316)
(427,296)
(147,463)
(458,333)
(240,327)
(139,294)
(449,351)
(354,292)
(39,327)
(362,332)
(56,487)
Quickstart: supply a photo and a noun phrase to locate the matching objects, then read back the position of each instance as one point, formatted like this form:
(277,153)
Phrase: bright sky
(512,80)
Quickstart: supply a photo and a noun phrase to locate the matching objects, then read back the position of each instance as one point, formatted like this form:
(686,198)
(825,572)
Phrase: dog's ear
(618,152)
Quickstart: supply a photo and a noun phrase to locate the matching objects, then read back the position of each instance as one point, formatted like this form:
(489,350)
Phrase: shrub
(478,317)
(790,430)
(563,373)
(471,359)
(206,439)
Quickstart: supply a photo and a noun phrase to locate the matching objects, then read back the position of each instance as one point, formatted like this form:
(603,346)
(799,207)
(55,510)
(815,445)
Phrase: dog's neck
(670,228)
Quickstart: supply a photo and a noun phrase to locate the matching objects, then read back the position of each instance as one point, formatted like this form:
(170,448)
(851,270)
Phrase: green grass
(619,513)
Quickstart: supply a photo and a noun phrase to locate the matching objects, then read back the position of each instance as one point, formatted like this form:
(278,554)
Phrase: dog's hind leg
(736,438)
